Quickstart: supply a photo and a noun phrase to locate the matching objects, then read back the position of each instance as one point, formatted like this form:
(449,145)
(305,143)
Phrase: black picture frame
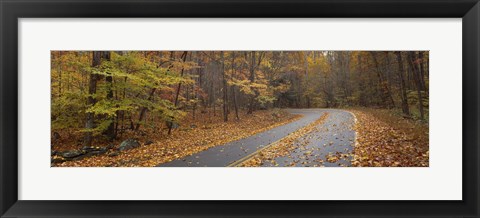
(12,10)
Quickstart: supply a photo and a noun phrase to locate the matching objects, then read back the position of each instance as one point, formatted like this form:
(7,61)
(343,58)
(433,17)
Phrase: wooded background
(104,93)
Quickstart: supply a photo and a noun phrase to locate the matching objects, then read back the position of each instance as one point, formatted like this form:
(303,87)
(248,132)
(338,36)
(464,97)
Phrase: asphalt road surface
(334,135)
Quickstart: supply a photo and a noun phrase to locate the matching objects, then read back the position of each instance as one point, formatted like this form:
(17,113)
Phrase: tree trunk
(234,93)
(92,90)
(195,87)
(422,71)
(143,111)
(252,80)
(110,132)
(416,74)
(403,94)
(382,82)
(225,89)
(305,65)
(214,98)
(184,58)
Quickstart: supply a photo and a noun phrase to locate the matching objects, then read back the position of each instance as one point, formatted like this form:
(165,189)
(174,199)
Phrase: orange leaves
(191,137)
(388,141)
(332,158)
(284,146)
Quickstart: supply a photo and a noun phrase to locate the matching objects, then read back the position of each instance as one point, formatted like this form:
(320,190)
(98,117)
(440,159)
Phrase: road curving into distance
(335,135)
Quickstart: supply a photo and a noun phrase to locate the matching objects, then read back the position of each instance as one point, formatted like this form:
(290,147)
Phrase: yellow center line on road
(248,157)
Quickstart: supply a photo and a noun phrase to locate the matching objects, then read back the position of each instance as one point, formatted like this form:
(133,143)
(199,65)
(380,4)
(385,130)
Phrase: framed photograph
(224,108)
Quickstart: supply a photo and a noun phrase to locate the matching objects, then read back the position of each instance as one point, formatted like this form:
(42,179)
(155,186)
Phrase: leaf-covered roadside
(284,146)
(208,132)
(388,140)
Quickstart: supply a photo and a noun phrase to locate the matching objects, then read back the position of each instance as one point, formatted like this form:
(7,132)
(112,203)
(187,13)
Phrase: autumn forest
(239,108)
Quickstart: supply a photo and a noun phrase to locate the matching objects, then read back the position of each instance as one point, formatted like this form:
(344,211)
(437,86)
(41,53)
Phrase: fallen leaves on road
(334,157)
(385,140)
(208,132)
(282,147)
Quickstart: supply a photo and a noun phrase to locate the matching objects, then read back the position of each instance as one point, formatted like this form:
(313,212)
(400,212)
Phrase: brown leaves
(284,146)
(211,131)
(389,141)
(332,158)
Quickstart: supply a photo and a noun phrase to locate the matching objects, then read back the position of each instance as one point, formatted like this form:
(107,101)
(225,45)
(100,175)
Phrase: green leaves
(66,110)
(265,99)
(135,78)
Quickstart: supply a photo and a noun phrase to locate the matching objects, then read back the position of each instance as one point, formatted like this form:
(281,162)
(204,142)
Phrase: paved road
(336,131)
(332,138)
